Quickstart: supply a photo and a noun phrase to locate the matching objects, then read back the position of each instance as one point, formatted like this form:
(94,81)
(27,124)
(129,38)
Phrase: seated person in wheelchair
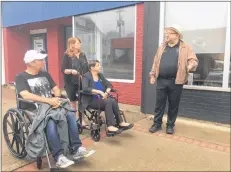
(36,85)
(99,87)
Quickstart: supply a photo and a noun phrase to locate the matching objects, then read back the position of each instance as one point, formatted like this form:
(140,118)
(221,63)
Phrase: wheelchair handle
(116,92)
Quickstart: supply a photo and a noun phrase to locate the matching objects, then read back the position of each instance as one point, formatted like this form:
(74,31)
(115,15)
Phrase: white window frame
(226,70)
(134,67)
(73,26)
(38,31)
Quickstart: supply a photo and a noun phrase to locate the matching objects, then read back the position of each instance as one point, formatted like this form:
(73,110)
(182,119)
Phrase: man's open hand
(54,102)
(189,68)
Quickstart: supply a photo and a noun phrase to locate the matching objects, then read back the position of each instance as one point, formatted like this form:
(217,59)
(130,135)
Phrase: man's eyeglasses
(170,33)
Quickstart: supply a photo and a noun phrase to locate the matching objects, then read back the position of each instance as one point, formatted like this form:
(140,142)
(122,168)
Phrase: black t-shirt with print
(40,84)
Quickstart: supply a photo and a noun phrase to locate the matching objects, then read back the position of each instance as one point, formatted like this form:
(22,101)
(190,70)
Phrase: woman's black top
(80,64)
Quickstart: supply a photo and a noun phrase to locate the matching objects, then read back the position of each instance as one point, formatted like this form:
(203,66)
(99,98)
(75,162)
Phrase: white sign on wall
(38,44)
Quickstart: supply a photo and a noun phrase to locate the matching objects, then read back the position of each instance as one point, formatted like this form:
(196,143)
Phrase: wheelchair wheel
(15,131)
(95,135)
(80,128)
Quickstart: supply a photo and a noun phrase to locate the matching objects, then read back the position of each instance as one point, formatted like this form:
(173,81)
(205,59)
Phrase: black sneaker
(170,130)
(155,128)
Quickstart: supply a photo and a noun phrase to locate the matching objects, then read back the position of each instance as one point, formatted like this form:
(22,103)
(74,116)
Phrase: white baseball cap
(32,55)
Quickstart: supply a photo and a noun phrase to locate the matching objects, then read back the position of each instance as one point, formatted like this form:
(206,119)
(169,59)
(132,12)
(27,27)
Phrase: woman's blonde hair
(70,51)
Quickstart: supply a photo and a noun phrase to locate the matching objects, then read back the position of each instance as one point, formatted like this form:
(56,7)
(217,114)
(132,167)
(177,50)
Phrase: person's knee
(110,100)
(71,116)
(71,120)
(51,127)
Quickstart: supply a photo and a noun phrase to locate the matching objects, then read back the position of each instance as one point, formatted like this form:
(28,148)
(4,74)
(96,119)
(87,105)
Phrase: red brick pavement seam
(204,144)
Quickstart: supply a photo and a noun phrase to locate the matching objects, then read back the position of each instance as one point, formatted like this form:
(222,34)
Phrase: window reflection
(109,37)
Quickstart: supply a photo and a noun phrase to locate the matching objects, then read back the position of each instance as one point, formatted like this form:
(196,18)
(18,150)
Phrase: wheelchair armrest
(26,101)
(35,104)
(86,93)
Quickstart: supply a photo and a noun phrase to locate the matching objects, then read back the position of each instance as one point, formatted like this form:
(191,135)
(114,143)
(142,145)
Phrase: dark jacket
(87,86)
(36,142)
(67,64)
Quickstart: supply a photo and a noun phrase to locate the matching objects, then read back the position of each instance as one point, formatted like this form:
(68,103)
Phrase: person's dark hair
(92,63)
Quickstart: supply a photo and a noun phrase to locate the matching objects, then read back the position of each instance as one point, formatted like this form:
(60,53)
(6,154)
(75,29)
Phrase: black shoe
(155,128)
(113,133)
(123,128)
(170,130)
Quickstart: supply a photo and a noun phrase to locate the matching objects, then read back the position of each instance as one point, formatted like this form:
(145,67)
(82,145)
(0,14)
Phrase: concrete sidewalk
(138,150)
(196,146)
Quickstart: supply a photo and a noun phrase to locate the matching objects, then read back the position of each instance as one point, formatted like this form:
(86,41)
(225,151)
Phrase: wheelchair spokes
(14,130)
(95,135)
(96,122)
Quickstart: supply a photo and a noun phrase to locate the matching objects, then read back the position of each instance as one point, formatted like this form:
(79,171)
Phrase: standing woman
(74,65)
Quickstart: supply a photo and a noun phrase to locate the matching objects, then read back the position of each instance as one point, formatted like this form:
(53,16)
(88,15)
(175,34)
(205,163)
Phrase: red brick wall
(130,93)
(55,46)
(17,42)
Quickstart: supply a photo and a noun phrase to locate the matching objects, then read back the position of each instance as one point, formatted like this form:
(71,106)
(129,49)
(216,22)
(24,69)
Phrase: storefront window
(204,29)
(109,37)
(67,34)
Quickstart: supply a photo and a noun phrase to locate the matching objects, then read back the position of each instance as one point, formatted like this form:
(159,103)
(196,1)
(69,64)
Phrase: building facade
(124,36)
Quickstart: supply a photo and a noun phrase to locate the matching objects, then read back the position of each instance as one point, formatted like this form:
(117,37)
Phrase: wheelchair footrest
(110,134)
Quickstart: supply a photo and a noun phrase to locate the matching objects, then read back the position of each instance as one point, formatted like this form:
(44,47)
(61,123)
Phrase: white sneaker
(82,153)
(63,162)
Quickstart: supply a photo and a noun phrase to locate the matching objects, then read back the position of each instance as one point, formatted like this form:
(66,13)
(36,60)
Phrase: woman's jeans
(53,137)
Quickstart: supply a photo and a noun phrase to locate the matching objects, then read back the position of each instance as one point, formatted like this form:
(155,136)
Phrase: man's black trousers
(166,88)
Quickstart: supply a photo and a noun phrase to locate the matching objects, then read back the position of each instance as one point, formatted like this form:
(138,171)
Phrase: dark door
(39,43)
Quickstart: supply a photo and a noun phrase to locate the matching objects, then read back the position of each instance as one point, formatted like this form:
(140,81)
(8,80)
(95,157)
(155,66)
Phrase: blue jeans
(53,137)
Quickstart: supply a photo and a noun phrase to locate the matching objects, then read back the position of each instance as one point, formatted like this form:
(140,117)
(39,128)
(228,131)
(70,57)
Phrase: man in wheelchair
(96,89)
(36,85)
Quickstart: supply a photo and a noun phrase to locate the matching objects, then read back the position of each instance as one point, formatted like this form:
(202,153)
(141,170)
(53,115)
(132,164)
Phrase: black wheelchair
(95,118)
(16,124)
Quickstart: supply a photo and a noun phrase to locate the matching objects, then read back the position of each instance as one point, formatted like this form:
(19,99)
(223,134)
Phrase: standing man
(172,63)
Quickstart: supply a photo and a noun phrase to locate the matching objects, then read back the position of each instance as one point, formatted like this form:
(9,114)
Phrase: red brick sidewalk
(209,145)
